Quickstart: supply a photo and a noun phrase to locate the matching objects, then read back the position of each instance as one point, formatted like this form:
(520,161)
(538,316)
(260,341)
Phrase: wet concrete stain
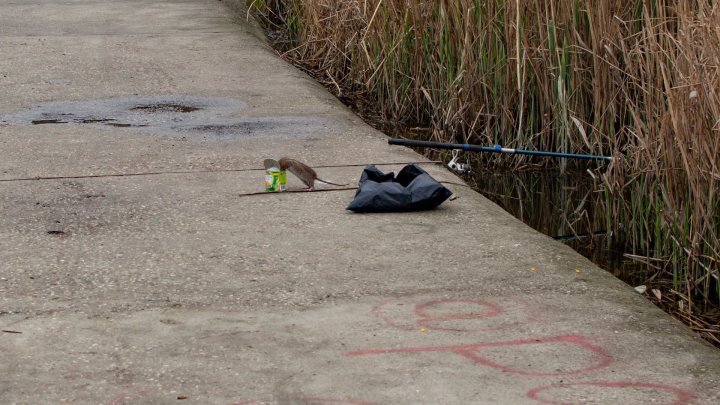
(189,117)
(166,108)
(278,126)
(48,121)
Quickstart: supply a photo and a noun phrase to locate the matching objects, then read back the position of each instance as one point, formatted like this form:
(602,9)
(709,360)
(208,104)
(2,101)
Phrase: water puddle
(166,108)
(48,121)
(190,117)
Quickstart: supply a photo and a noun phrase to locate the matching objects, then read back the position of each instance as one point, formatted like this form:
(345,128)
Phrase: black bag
(412,190)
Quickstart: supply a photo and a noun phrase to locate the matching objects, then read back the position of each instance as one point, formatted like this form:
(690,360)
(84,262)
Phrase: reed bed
(638,79)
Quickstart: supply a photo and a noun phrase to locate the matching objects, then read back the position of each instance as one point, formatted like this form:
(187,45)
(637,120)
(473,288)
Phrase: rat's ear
(271,163)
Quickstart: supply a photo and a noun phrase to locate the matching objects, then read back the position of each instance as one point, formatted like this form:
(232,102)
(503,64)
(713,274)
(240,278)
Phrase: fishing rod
(492,149)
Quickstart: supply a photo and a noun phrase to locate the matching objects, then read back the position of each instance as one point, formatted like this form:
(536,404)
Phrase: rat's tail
(334,184)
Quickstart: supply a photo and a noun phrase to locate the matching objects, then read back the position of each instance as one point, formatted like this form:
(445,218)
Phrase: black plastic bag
(412,190)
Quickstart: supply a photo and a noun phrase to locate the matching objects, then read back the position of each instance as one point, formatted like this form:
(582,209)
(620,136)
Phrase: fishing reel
(456,166)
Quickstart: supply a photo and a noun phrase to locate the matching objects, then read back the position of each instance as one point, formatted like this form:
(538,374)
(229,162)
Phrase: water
(566,206)
(190,117)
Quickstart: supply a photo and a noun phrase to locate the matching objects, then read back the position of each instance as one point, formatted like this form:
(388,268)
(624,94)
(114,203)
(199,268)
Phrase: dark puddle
(190,117)
(48,121)
(95,120)
(121,125)
(166,108)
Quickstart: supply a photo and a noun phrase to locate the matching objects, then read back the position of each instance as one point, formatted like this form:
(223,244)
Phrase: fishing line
(99,176)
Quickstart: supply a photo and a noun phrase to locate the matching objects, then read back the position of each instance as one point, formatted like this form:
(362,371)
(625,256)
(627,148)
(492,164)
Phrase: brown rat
(303,172)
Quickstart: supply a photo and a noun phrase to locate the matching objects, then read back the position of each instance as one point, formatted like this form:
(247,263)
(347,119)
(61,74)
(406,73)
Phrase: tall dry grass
(637,79)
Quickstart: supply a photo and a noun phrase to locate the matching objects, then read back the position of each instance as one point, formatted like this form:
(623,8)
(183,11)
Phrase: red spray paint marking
(470,352)
(427,321)
(681,396)
(431,322)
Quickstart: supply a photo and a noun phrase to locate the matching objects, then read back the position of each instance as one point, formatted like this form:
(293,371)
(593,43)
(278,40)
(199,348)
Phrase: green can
(275,180)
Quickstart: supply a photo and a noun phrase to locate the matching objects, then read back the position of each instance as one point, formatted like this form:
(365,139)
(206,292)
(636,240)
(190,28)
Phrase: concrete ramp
(139,264)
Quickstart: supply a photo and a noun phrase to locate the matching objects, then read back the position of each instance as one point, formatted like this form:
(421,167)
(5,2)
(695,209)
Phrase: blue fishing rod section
(492,149)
